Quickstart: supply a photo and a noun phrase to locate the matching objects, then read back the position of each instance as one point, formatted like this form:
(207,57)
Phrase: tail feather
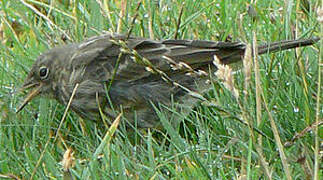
(270,48)
(283,45)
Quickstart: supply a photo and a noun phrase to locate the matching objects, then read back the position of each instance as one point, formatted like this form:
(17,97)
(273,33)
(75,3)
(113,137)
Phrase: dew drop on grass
(219,165)
(167,173)
(296,109)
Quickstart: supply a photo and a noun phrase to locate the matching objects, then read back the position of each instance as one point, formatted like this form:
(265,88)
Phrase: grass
(220,139)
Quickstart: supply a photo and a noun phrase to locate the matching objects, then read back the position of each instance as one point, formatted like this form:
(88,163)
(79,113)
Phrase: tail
(270,48)
(284,45)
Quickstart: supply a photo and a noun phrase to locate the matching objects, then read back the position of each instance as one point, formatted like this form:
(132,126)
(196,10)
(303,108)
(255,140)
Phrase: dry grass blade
(5,24)
(302,68)
(53,8)
(258,105)
(133,20)
(108,136)
(104,143)
(9,176)
(178,25)
(318,104)
(278,142)
(121,15)
(105,11)
(306,167)
(45,18)
(257,80)
(320,14)
(302,133)
(247,68)
(57,132)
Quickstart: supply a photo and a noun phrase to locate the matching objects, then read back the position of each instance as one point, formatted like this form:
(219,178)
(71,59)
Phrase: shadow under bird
(109,78)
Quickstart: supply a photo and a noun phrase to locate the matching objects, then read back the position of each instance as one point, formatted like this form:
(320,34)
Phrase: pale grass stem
(258,147)
(318,105)
(247,68)
(57,132)
(121,15)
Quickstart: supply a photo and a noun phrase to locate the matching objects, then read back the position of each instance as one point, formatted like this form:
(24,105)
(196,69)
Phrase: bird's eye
(43,72)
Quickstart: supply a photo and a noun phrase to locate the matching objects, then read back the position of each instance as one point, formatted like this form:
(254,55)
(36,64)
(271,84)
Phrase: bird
(112,73)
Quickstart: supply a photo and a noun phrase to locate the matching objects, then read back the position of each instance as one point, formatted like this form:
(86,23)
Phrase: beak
(35,90)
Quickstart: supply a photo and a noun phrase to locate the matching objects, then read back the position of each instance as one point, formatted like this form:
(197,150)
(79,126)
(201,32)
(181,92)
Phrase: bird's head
(42,77)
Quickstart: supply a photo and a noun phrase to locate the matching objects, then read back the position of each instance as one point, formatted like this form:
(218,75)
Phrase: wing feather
(100,54)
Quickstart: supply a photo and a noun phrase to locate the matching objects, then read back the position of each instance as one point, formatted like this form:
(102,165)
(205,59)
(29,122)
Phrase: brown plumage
(109,78)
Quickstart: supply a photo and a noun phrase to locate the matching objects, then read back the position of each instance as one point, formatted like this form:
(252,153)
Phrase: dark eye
(43,72)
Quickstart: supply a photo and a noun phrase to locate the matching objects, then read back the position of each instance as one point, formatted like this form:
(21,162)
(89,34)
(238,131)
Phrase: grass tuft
(234,132)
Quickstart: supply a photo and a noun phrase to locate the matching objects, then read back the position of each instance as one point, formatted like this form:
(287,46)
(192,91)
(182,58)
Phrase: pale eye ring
(43,72)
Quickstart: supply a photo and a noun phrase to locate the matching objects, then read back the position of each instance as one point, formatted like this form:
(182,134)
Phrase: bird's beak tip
(33,93)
